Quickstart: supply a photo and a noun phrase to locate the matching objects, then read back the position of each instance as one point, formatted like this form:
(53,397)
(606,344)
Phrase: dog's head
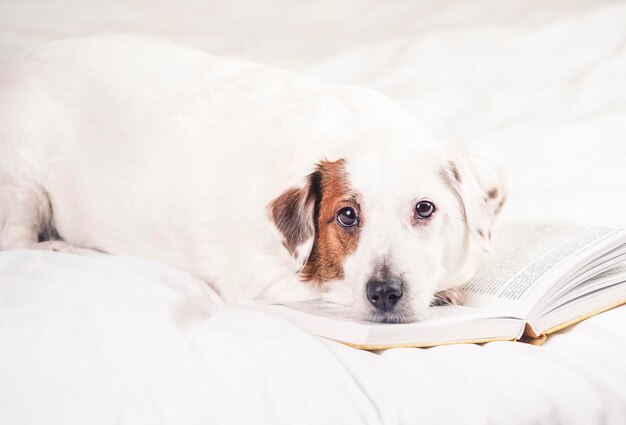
(386,230)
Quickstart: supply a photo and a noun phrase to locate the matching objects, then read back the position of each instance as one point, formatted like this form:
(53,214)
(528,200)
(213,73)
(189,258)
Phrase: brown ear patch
(455,171)
(482,193)
(499,207)
(333,243)
(293,211)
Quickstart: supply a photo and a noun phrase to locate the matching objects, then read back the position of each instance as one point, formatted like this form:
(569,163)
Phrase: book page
(341,312)
(524,257)
(438,325)
(597,267)
(613,276)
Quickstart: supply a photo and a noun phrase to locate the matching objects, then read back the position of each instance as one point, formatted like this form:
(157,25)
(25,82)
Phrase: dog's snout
(385,294)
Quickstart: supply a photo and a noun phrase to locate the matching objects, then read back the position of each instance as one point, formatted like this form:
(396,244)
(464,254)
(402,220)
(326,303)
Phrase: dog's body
(142,147)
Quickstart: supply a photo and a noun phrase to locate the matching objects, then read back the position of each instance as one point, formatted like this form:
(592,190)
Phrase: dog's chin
(398,315)
(403,313)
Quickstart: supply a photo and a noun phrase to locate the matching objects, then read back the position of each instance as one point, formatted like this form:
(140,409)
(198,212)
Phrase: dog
(264,183)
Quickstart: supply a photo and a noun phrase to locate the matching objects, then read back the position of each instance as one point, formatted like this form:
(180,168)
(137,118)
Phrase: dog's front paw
(55,246)
(453,296)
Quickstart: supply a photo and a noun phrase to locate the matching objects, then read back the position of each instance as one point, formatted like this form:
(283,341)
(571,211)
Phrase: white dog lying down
(264,183)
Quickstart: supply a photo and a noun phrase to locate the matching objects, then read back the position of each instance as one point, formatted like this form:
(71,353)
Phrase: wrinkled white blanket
(104,340)
(539,86)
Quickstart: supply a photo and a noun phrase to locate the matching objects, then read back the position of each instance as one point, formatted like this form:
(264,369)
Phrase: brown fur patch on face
(333,243)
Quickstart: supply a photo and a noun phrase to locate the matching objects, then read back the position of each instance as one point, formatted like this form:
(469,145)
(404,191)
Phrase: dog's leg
(448,296)
(56,246)
(25,213)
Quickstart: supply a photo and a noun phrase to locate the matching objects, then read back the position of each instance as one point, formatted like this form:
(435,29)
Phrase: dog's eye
(424,209)
(347,217)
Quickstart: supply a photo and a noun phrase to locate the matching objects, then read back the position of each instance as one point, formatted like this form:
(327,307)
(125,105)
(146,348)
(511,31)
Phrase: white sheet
(537,85)
(119,340)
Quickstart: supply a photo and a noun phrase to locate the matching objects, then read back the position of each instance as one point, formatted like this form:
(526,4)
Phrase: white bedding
(539,86)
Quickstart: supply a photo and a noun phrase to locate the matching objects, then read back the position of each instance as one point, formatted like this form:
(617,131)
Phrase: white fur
(143,147)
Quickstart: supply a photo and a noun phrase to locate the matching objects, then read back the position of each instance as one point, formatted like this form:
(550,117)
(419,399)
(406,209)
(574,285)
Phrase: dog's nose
(384,295)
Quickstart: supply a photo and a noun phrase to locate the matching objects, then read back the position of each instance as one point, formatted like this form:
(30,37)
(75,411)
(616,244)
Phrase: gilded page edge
(370,347)
(532,338)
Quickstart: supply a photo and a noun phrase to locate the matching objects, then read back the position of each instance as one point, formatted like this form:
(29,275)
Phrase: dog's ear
(293,214)
(482,187)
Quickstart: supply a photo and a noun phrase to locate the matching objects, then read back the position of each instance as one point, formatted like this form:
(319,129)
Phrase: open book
(539,279)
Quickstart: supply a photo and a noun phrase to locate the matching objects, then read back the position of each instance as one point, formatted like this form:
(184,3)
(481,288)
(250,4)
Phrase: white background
(537,85)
